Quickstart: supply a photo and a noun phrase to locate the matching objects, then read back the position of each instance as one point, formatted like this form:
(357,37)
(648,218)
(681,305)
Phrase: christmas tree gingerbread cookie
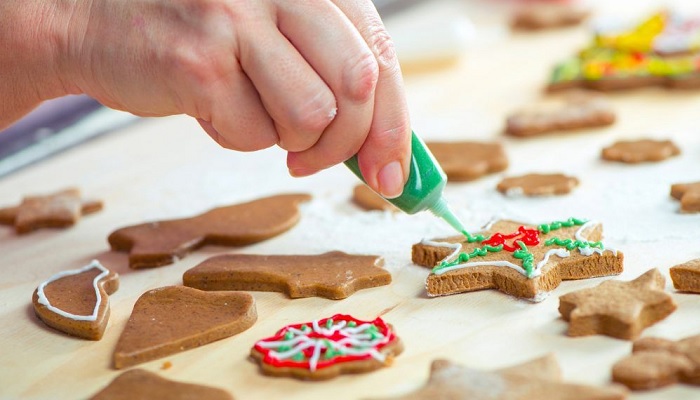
(328,347)
(518,259)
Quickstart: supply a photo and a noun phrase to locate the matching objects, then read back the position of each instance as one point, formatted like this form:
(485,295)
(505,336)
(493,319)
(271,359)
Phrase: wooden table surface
(167,168)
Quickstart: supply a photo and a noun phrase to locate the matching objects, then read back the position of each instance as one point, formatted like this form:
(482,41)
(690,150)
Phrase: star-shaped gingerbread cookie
(689,196)
(537,185)
(617,308)
(520,260)
(638,151)
(686,276)
(657,362)
(58,210)
(163,242)
(334,275)
(537,379)
(139,384)
(466,161)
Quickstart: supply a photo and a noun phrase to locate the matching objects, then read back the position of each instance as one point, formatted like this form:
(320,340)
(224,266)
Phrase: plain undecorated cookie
(571,111)
(620,309)
(138,384)
(466,161)
(548,16)
(172,319)
(76,301)
(639,151)
(539,379)
(537,185)
(657,362)
(158,243)
(686,276)
(57,210)
(689,196)
(369,200)
(333,275)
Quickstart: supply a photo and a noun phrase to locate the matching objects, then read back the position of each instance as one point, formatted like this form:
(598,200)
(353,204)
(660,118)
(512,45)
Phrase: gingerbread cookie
(466,161)
(548,15)
(537,379)
(657,362)
(163,242)
(368,199)
(334,275)
(517,259)
(537,185)
(686,276)
(138,384)
(76,301)
(58,210)
(616,308)
(661,51)
(172,319)
(570,112)
(327,348)
(689,196)
(638,151)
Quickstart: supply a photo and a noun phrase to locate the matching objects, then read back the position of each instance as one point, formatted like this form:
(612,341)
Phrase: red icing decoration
(529,236)
(323,362)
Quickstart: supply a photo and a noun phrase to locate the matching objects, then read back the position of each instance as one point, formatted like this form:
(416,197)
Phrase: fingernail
(301,172)
(390,180)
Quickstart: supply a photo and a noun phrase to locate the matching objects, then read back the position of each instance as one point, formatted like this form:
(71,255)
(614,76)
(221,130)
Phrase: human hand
(317,77)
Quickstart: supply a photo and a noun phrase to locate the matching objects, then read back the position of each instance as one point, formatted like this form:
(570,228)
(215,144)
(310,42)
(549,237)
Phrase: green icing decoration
(572,244)
(283,348)
(546,228)
(298,356)
(567,71)
(352,324)
(473,238)
(528,258)
(465,257)
(329,323)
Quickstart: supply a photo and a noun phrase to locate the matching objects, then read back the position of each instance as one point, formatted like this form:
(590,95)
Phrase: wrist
(31,36)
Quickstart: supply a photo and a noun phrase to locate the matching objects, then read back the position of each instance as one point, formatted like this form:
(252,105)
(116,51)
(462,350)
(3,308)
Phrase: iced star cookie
(138,384)
(616,308)
(334,275)
(657,362)
(662,50)
(158,243)
(572,111)
(689,196)
(538,379)
(77,301)
(638,151)
(537,185)
(172,319)
(58,210)
(518,259)
(326,348)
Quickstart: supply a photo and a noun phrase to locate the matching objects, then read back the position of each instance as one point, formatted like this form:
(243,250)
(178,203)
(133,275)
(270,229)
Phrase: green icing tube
(424,187)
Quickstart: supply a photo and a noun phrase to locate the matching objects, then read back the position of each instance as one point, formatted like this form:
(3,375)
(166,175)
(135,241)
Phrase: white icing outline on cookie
(537,271)
(43,300)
